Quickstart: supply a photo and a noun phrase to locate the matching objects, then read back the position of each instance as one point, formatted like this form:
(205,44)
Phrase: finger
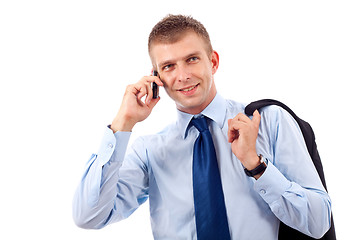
(242,117)
(234,129)
(153,102)
(230,134)
(142,88)
(148,81)
(256,118)
(140,91)
(157,80)
(135,89)
(237,125)
(149,93)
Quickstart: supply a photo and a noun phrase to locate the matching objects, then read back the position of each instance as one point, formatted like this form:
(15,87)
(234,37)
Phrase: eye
(193,59)
(167,67)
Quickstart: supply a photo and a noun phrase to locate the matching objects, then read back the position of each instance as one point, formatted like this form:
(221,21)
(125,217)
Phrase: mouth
(188,89)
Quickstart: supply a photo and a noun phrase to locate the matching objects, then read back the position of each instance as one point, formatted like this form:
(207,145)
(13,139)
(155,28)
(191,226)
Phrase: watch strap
(258,169)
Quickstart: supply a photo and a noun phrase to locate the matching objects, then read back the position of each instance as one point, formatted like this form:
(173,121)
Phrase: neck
(198,109)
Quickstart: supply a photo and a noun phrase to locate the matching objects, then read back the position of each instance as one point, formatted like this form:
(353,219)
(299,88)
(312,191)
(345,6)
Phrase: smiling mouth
(189,88)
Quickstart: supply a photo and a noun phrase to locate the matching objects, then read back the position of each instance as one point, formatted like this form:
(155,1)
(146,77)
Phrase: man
(282,185)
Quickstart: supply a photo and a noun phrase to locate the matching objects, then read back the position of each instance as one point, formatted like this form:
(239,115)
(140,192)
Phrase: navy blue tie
(210,211)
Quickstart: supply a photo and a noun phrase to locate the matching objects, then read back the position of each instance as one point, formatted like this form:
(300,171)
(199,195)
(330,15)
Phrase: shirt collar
(216,111)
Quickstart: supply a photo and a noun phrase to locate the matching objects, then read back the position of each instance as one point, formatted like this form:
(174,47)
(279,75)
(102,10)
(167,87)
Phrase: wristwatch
(258,169)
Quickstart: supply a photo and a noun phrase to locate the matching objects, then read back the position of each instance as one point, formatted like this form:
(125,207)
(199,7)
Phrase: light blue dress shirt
(159,167)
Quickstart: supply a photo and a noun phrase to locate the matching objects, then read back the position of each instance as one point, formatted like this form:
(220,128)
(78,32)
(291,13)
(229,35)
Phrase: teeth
(188,89)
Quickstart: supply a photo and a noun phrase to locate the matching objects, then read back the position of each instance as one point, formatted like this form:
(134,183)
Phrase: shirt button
(110,145)
(262,191)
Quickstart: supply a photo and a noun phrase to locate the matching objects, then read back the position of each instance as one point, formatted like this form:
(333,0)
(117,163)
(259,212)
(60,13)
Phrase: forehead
(189,43)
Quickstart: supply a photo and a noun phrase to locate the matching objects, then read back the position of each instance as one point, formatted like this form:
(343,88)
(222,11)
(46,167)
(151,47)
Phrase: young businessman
(194,173)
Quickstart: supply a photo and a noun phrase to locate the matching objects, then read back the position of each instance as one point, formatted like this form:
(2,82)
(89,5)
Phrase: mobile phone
(155,87)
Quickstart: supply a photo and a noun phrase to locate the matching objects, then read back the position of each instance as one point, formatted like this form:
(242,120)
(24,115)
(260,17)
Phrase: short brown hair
(171,28)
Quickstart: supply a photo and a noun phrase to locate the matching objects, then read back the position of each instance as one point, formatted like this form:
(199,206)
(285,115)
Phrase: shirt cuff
(272,184)
(122,140)
(113,143)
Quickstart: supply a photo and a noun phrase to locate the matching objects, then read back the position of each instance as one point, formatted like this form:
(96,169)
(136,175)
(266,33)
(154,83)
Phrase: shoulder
(276,120)
(234,107)
(271,111)
(162,136)
(277,114)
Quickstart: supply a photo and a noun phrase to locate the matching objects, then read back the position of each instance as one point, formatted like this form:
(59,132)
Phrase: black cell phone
(155,87)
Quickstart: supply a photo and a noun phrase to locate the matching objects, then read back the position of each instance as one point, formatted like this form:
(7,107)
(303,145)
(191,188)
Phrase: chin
(190,106)
(193,104)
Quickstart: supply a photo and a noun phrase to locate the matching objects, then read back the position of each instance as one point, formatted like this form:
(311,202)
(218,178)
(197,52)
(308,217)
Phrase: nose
(183,73)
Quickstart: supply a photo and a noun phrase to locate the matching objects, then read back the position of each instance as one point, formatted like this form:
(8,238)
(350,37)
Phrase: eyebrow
(167,62)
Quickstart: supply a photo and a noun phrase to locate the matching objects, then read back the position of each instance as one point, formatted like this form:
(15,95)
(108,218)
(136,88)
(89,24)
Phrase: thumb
(256,118)
(153,102)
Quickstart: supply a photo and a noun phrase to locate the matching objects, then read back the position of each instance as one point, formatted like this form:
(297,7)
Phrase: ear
(214,61)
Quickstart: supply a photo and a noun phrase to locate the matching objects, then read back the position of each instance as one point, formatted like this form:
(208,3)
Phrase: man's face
(187,70)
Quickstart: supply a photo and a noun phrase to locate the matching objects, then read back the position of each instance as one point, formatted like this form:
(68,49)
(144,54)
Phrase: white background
(64,66)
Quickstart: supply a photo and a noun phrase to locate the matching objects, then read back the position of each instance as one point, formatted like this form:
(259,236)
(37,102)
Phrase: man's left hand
(242,135)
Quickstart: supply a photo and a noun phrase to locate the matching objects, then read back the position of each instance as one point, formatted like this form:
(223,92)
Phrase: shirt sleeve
(290,184)
(106,192)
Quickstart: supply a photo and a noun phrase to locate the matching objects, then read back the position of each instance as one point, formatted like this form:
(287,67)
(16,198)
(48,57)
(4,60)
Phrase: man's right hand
(133,109)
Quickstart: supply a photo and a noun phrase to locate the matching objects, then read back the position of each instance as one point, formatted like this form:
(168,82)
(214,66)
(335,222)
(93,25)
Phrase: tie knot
(200,123)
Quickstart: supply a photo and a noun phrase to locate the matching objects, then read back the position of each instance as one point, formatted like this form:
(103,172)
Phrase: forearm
(94,199)
(305,209)
(122,124)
